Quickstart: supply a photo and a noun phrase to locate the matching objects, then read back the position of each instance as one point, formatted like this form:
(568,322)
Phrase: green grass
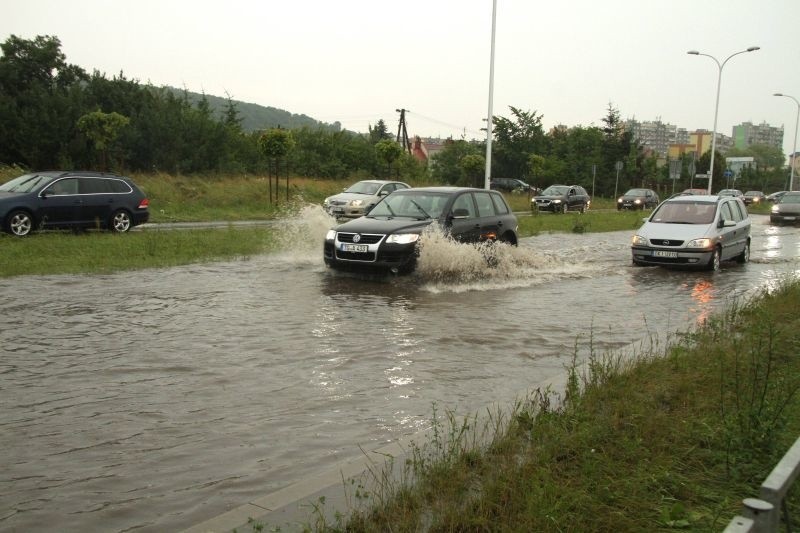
(673,439)
(96,252)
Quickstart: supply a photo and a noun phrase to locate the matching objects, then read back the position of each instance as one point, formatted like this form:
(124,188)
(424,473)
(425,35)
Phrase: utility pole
(401,127)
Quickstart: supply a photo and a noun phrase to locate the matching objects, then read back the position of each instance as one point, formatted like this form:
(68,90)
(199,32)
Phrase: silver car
(359,198)
(694,231)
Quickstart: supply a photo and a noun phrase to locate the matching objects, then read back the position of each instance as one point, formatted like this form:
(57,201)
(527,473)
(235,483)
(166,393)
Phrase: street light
(716,107)
(794,147)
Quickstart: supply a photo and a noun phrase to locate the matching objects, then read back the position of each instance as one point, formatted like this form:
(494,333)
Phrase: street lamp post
(794,146)
(487,178)
(716,106)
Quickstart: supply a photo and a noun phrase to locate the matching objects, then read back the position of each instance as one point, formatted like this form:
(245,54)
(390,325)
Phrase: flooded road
(154,400)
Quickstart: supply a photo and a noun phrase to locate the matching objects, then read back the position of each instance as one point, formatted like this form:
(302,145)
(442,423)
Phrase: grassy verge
(671,439)
(95,252)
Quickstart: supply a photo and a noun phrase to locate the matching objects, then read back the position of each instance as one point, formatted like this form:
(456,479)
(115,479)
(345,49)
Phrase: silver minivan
(694,231)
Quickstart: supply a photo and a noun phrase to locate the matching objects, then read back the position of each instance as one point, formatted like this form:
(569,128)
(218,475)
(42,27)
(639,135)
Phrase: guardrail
(763,514)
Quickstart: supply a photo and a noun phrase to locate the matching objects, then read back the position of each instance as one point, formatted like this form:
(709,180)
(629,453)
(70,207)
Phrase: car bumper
(629,205)
(678,258)
(345,212)
(787,219)
(381,256)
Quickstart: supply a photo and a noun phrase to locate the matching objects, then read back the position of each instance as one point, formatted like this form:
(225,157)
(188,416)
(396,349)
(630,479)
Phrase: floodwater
(155,400)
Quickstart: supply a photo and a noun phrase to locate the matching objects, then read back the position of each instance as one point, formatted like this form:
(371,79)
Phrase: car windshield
(555,190)
(636,192)
(685,213)
(790,198)
(364,187)
(26,183)
(408,204)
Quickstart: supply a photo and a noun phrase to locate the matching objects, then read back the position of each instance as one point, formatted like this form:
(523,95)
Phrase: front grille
(666,242)
(366,238)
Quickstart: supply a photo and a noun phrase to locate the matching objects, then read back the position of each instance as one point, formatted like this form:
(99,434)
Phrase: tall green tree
(515,140)
(102,129)
(446,167)
(40,102)
(388,151)
(379,133)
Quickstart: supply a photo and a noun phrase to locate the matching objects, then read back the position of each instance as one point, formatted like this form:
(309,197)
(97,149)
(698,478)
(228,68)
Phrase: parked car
(509,185)
(360,197)
(43,200)
(736,193)
(696,192)
(694,231)
(774,197)
(387,238)
(754,197)
(787,209)
(638,199)
(562,198)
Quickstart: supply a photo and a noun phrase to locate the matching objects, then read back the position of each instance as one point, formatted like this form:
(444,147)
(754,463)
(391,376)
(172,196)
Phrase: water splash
(444,265)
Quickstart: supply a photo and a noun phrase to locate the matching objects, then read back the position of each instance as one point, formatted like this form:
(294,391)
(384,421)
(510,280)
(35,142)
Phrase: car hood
(632,197)
(684,232)
(384,225)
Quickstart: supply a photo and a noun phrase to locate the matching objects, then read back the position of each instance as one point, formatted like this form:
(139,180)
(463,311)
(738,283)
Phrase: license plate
(663,253)
(788,218)
(360,248)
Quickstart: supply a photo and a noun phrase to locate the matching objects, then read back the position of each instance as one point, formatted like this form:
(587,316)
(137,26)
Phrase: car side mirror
(383,193)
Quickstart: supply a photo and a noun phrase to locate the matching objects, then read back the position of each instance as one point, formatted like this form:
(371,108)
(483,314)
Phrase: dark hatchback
(638,199)
(562,198)
(387,238)
(43,200)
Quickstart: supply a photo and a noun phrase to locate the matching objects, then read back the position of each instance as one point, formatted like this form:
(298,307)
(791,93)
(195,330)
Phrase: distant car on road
(509,185)
(754,197)
(562,198)
(787,209)
(387,238)
(78,200)
(638,199)
(695,192)
(359,198)
(694,231)
(736,193)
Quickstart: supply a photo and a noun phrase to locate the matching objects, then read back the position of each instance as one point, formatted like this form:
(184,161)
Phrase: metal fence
(763,514)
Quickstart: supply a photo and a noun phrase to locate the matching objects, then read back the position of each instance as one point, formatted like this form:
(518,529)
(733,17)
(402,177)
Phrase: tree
(276,145)
(388,151)
(473,168)
(379,132)
(102,129)
(446,165)
(515,140)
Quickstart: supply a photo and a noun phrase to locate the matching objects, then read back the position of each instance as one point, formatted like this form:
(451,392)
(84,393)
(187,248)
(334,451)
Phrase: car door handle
(500,223)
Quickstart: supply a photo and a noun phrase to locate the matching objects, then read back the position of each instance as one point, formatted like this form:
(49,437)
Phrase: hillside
(257,117)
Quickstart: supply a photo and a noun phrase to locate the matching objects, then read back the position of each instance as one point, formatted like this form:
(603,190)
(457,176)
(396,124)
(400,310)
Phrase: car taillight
(144,204)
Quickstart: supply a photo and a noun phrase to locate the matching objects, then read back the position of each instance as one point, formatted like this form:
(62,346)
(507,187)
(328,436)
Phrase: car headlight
(637,201)
(331,235)
(638,240)
(326,202)
(556,201)
(699,243)
(403,238)
(775,208)
(356,203)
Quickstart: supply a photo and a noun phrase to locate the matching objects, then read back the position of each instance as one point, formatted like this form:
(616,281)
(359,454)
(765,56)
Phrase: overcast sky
(357,61)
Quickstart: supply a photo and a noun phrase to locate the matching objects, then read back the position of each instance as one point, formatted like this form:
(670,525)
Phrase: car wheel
(716,260)
(744,257)
(20,223)
(120,221)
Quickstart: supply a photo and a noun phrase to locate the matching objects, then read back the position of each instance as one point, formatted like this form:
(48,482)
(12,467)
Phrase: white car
(694,231)
(359,198)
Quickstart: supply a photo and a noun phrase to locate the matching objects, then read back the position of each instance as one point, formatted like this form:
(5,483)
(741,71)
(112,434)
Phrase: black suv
(387,238)
(562,198)
(43,200)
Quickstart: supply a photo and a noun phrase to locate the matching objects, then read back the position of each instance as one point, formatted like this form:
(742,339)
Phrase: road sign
(701,176)
(728,174)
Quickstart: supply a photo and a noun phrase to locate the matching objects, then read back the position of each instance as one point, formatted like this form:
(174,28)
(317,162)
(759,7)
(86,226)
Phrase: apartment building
(747,133)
